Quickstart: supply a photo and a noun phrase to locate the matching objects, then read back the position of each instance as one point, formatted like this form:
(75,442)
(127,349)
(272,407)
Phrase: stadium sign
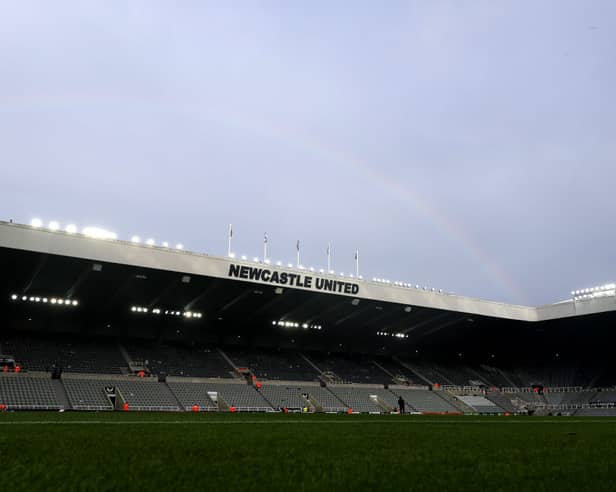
(289,279)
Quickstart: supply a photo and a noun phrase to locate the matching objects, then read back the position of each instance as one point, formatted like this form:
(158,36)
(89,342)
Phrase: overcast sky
(465,145)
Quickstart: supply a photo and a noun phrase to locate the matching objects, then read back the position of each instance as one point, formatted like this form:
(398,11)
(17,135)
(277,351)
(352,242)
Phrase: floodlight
(98,233)
(179,246)
(36,223)
(54,300)
(150,242)
(279,263)
(231,255)
(75,303)
(71,228)
(135,239)
(54,226)
(165,244)
(14,297)
(255,259)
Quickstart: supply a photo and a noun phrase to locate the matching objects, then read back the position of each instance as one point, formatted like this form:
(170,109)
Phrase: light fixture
(71,228)
(135,239)
(165,244)
(179,246)
(54,226)
(98,233)
(36,223)
(150,242)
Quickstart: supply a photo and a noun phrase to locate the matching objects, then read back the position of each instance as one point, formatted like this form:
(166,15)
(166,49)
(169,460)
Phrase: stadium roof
(108,276)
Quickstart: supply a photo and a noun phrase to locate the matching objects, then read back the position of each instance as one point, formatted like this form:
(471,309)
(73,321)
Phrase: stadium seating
(428,373)
(605,396)
(424,401)
(596,412)
(362,399)
(285,396)
(351,369)
(481,404)
(273,364)
(190,394)
(397,371)
(243,397)
(502,401)
(19,392)
(40,354)
(326,399)
(177,360)
(205,376)
(140,394)
(84,395)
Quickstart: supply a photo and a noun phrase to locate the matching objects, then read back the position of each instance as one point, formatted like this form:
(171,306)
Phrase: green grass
(140,451)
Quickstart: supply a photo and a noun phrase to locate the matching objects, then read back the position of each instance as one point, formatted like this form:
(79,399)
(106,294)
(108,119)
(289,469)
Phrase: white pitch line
(305,422)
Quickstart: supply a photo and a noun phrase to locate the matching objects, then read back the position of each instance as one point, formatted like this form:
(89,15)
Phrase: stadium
(132,365)
(136,365)
(96,323)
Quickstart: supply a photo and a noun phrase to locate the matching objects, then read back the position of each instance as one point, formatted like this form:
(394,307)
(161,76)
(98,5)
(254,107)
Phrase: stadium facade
(221,332)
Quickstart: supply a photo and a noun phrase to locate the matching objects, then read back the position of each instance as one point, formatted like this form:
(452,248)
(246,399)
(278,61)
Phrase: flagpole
(230,235)
(357,263)
(329,257)
(265,248)
(297,253)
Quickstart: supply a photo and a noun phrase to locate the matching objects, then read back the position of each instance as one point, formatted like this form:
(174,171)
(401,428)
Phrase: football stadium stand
(104,324)
(269,364)
(191,394)
(425,401)
(174,360)
(19,392)
(481,404)
(282,396)
(73,354)
(350,369)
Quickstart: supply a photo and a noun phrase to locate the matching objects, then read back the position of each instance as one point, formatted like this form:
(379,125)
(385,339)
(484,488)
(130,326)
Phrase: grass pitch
(145,451)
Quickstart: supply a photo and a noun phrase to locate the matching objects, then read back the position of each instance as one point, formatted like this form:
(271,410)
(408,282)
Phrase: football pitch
(146,451)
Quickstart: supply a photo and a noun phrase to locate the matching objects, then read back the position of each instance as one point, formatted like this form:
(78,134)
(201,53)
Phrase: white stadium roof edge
(56,242)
